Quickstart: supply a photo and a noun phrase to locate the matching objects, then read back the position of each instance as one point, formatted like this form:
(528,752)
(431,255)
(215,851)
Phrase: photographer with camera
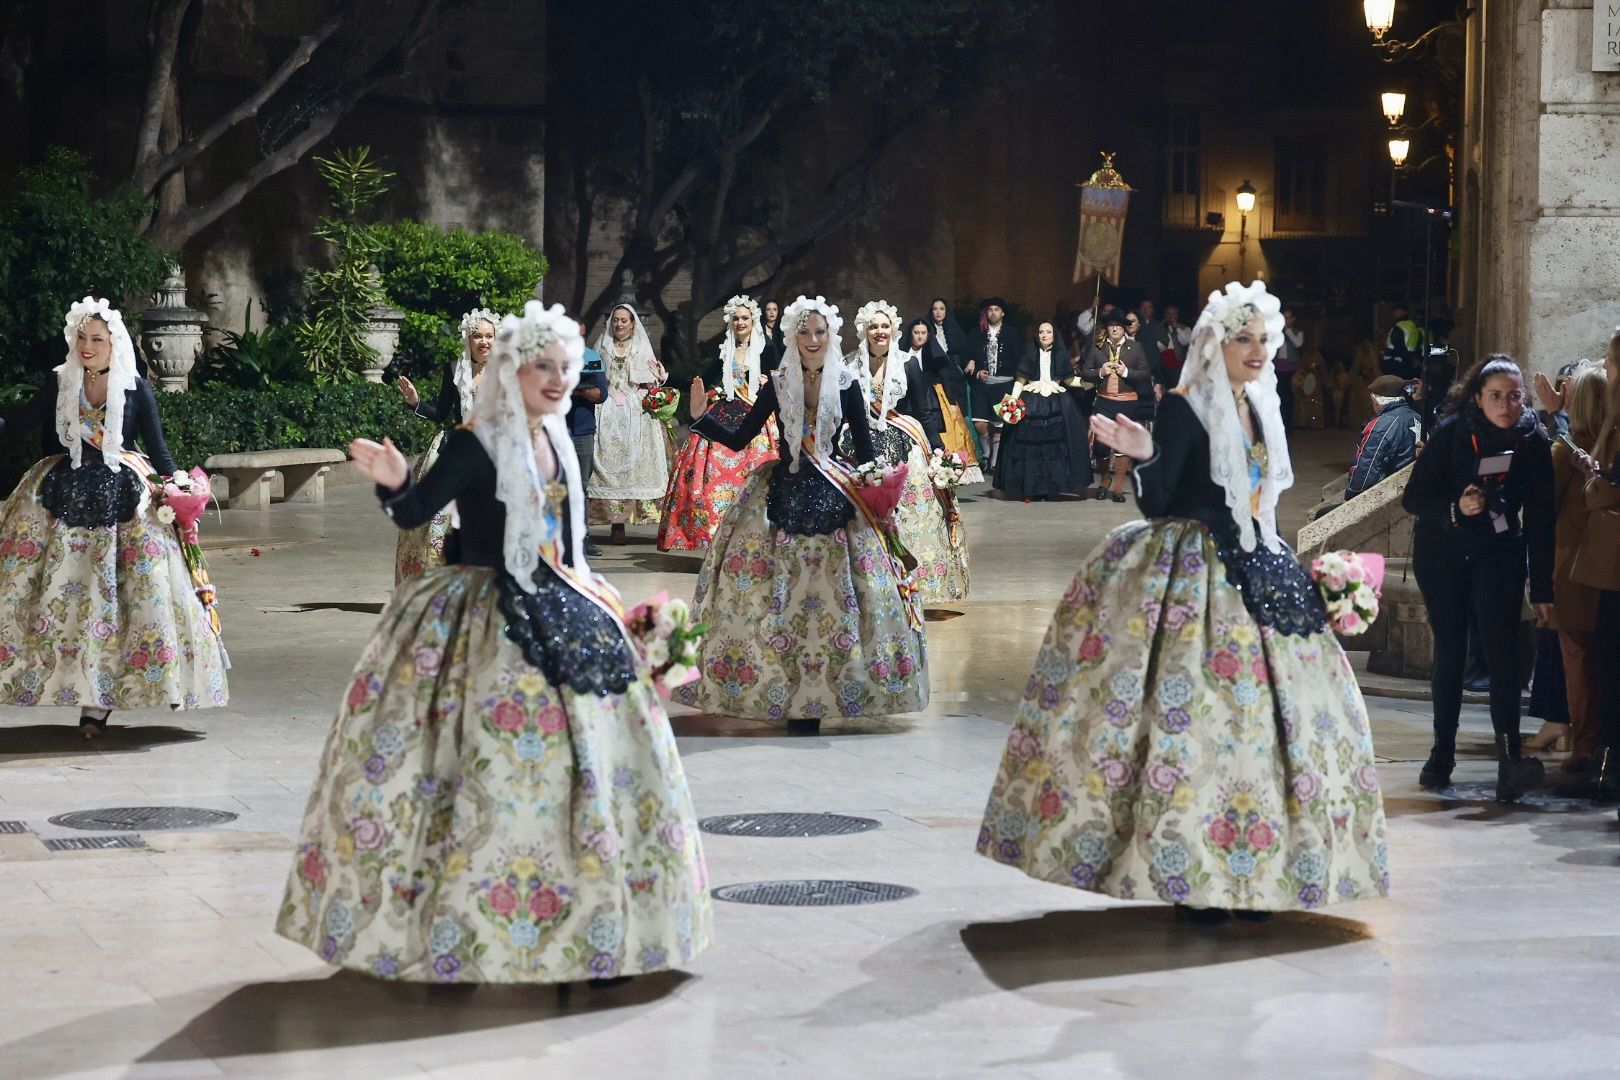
(1482,493)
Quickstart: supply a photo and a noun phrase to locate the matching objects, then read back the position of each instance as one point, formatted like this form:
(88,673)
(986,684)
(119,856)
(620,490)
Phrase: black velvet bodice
(1176,483)
(568,637)
(804,502)
(143,429)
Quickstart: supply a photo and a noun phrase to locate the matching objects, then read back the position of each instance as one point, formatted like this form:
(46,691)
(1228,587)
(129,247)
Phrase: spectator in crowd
(1550,393)
(581,418)
(1403,347)
(1597,566)
(1482,493)
(1155,360)
(1289,356)
(1582,399)
(1177,336)
(1389,442)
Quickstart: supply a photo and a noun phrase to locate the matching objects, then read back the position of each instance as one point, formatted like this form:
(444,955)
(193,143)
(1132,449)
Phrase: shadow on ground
(65,740)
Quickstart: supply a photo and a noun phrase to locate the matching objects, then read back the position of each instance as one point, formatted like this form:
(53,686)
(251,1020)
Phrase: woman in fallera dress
(1192,731)
(1048,452)
(98,608)
(807,614)
(906,427)
(707,476)
(422,549)
(631,468)
(500,799)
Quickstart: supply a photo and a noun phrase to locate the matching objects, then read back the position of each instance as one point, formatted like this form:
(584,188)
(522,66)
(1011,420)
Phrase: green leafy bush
(435,277)
(332,334)
(253,358)
(60,242)
(228,419)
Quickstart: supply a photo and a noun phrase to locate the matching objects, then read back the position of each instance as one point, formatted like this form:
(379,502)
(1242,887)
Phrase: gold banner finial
(1107,176)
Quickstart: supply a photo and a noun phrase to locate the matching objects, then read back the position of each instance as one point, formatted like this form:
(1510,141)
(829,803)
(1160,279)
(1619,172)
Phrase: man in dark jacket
(1389,442)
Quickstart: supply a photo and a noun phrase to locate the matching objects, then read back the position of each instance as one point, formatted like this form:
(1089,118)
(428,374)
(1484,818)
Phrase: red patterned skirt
(706,480)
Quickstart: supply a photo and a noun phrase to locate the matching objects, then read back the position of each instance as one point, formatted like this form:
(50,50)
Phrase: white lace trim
(729,376)
(894,380)
(1208,391)
(121,377)
(640,353)
(462,373)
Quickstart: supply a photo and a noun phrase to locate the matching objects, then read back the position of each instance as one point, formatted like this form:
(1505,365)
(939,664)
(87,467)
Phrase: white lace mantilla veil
(728,348)
(121,378)
(641,355)
(790,381)
(894,374)
(1207,389)
(462,373)
(502,425)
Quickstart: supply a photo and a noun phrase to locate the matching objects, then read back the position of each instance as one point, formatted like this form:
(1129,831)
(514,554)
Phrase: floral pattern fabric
(472,822)
(103,617)
(927,521)
(706,480)
(802,627)
(1169,747)
(419,550)
(631,467)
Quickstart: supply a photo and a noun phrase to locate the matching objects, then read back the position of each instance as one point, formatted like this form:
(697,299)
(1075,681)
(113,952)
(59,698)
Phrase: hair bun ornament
(87,308)
(741,301)
(863,317)
(1233,308)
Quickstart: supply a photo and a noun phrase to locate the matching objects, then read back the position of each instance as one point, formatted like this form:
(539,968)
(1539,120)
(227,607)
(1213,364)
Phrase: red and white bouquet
(946,468)
(181,500)
(663,631)
(881,486)
(1010,409)
(661,402)
(1350,584)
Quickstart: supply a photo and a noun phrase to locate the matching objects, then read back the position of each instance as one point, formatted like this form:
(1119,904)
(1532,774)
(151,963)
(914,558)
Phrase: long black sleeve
(921,405)
(1540,522)
(444,405)
(1175,432)
(462,464)
(739,437)
(151,429)
(32,413)
(1429,495)
(854,402)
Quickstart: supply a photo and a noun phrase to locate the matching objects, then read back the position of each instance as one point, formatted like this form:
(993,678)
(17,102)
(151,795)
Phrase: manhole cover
(786,825)
(94,843)
(12,827)
(812,893)
(1538,800)
(134,818)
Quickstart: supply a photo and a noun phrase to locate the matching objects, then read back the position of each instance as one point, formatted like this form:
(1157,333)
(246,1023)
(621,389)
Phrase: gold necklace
(92,374)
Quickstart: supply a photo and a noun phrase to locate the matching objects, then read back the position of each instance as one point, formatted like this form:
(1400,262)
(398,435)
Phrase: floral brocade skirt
(421,549)
(1170,747)
(471,822)
(802,626)
(928,525)
(103,616)
(706,480)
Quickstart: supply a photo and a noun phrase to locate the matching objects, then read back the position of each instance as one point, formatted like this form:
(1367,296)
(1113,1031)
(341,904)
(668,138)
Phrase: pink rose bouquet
(1350,584)
(663,631)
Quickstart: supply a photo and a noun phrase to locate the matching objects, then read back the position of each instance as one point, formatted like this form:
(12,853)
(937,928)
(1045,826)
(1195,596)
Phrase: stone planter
(172,334)
(382,334)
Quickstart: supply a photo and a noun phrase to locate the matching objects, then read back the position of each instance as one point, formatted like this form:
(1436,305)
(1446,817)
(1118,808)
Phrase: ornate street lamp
(1380,15)
(1394,106)
(1398,149)
(1245,198)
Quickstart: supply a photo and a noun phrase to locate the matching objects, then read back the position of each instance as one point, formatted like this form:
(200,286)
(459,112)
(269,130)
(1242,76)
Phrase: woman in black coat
(1047,453)
(1482,493)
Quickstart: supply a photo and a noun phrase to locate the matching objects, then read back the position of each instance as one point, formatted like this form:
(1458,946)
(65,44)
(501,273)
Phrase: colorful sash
(842,477)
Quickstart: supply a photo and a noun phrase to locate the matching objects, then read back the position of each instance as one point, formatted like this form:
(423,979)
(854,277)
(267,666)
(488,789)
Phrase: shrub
(59,242)
(222,419)
(253,358)
(332,334)
(435,277)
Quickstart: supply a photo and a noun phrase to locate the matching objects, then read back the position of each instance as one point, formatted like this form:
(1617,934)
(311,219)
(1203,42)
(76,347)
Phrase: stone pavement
(1494,958)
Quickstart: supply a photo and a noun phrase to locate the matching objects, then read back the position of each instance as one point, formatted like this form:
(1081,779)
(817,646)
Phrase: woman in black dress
(1046,453)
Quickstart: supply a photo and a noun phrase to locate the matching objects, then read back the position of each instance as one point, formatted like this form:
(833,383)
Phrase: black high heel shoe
(93,722)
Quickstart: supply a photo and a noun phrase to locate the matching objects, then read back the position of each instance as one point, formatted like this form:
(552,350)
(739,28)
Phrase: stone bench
(250,476)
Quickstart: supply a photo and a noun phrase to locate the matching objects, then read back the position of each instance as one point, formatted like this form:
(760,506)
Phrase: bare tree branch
(163,38)
(728,164)
(150,172)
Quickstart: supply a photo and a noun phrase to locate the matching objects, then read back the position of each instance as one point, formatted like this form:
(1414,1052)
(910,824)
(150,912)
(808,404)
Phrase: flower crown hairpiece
(527,336)
(804,306)
(1232,309)
(863,317)
(470,321)
(741,301)
(91,307)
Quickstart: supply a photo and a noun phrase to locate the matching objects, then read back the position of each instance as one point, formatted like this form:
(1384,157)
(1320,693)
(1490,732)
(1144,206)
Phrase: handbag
(1597,560)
